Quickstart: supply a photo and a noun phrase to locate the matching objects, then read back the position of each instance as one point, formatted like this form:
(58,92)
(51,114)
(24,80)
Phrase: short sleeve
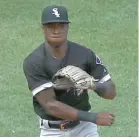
(36,77)
(97,69)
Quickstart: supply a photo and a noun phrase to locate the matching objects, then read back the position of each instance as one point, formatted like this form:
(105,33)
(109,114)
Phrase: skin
(56,36)
(110,90)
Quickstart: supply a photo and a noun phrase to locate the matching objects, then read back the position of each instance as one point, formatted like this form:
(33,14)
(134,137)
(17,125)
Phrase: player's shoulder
(36,55)
(81,48)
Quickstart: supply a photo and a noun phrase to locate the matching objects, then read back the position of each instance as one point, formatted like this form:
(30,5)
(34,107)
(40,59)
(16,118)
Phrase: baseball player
(66,112)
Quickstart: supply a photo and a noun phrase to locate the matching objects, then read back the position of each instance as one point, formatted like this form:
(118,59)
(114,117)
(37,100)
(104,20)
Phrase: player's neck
(57,51)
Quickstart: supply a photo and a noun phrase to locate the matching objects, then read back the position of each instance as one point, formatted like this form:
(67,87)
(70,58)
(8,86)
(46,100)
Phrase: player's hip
(65,128)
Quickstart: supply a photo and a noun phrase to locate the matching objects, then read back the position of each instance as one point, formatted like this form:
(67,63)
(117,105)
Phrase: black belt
(63,125)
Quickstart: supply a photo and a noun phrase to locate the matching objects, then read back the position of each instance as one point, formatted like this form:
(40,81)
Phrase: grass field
(109,27)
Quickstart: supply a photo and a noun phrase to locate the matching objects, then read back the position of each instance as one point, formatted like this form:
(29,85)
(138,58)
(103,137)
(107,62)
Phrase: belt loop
(41,122)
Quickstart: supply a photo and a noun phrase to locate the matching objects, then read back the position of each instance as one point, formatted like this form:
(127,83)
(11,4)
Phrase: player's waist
(59,124)
(63,125)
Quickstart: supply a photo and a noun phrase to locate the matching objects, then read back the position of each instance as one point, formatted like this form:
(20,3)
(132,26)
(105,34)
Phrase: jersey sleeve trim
(42,87)
(105,78)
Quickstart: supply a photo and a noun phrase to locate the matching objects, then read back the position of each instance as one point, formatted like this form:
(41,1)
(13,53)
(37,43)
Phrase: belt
(63,125)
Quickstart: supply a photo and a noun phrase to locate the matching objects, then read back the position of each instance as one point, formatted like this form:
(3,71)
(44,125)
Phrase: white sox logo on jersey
(55,12)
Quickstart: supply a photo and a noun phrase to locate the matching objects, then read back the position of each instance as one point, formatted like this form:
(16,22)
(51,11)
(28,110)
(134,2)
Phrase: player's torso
(77,56)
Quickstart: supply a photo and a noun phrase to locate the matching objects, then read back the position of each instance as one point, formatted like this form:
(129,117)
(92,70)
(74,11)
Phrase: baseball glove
(73,77)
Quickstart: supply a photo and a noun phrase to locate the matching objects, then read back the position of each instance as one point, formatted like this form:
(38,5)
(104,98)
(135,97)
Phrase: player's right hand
(105,119)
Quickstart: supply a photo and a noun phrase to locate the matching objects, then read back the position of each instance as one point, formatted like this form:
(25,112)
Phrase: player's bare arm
(60,110)
(106,90)
(55,108)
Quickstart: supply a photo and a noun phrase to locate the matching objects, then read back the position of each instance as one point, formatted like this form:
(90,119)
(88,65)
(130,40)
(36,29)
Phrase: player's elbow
(111,93)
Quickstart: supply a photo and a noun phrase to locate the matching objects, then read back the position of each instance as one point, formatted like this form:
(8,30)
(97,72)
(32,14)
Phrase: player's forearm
(106,90)
(61,110)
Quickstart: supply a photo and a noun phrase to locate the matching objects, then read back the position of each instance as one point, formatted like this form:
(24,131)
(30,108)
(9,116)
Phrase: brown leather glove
(72,76)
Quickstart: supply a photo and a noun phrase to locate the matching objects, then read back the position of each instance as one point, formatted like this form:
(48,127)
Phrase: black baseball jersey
(40,66)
